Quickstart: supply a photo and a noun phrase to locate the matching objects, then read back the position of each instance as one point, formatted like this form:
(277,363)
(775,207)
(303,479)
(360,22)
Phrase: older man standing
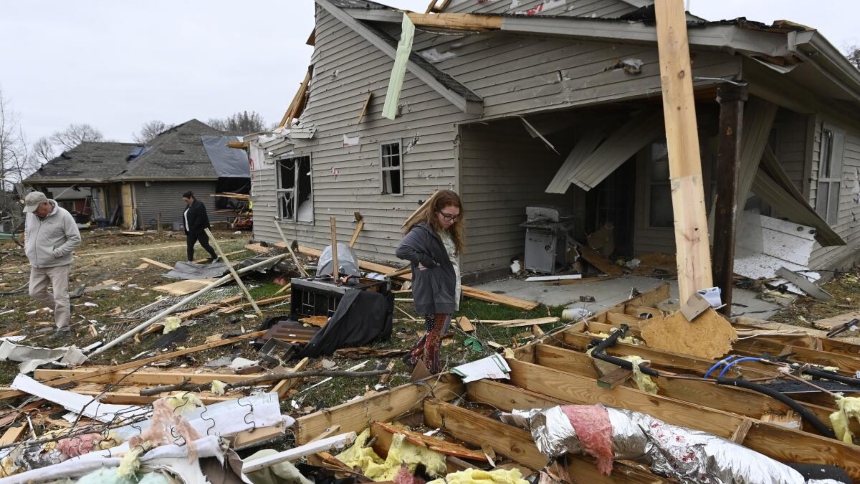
(51,236)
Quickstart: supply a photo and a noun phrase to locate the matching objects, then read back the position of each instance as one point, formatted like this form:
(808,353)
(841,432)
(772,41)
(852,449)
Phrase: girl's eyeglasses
(448,216)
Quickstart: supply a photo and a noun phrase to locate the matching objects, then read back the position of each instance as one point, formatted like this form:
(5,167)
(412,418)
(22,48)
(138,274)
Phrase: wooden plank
(181,288)
(261,302)
(156,263)
(726,398)
(283,386)
(251,438)
(741,432)
(364,107)
(517,444)
(138,363)
(602,263)
(782,444)
(135,398)
(12,434)
(456,21)
(384,406)
(682,137)
(138,377)
(829,323)
(464,324)
(233,272)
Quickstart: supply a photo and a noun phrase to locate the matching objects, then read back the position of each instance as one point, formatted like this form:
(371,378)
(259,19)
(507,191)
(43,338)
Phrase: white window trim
(831,155)
(280,193)
(384,169)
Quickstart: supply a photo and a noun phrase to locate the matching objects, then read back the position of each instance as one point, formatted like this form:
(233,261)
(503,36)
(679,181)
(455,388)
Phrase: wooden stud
(233,272)
(289,247)
(283,386)
(156,263)
(685,166)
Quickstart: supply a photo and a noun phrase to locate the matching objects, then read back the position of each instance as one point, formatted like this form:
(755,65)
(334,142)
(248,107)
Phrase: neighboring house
(135,186)
(554,103)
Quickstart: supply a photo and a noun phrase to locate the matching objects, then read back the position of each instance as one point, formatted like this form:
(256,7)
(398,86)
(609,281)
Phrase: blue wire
(748,358)
(719,363)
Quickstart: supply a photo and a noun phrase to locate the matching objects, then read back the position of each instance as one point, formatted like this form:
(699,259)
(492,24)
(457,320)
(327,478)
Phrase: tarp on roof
(228,162)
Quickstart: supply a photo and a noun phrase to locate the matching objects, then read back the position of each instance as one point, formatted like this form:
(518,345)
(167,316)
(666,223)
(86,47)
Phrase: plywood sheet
(182,288)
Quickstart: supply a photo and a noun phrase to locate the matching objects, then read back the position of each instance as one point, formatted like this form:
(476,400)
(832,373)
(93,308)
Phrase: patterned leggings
(429,346)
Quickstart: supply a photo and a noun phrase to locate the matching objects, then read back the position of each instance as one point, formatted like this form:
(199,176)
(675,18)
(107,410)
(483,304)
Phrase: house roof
(175,154)
(188,151)
(89,162)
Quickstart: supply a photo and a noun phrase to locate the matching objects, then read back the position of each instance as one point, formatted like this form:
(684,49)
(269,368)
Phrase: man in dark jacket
(196,220)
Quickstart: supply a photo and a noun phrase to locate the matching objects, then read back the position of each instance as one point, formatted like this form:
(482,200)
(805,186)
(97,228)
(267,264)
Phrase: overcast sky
(118,64)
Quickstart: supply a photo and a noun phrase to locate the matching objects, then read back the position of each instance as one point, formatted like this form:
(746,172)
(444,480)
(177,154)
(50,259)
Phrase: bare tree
(150,130)
(242,122)
(43,150)
(853,55)
(76,134)
(14,164)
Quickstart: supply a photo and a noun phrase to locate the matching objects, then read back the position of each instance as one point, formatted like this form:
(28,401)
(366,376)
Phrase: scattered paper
(493,366)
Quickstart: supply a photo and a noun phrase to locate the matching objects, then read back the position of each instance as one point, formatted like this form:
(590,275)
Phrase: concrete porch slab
(609,292)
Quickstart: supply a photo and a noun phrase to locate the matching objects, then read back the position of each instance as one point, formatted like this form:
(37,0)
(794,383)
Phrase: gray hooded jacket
(433,288)
(49,242)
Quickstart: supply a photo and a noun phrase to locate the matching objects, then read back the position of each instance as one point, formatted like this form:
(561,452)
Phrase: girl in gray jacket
(433,243)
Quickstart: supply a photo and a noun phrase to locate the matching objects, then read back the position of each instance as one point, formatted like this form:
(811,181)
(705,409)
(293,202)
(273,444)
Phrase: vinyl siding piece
(566,8)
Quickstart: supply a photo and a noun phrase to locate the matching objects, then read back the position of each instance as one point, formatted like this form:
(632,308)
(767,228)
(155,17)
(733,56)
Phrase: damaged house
(558,103)
(137,186)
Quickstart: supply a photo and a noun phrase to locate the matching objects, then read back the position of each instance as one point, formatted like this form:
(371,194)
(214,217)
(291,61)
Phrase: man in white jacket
(51,235)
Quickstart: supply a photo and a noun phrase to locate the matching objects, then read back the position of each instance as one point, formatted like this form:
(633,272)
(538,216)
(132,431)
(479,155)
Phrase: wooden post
(233,272)
(334,273)
(685,165)
(731,98)
(159,223)
(298,264)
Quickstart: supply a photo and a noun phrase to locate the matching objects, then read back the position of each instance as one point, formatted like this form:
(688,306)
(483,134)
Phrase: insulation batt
(690,456)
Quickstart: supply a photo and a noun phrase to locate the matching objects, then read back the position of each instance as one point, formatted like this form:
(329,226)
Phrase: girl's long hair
(427,213)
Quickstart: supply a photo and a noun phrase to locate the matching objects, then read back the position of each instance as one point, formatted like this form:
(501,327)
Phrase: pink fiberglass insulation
(594,430)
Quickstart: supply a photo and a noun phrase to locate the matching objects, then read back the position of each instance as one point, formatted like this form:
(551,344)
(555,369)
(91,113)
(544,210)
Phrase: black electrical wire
(598,353)
(803,411)
(829,375)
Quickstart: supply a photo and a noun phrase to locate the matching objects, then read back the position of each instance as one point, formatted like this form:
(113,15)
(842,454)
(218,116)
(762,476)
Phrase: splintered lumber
(12,434)
(181,303)
(601,263)
(181,288)
(514,323)
(726,398)
(137,363)
(283,386)
(132,377)
(517,444)
(780,443)
(432,443)
(467,291)
(261,302)
(289,248)
(682,138)
(252,438)
(385,406)
(834,321)
(464,324)
(456,21)
(156,263)
(233,272)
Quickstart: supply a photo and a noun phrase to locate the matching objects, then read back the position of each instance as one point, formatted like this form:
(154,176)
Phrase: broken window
(391,168)
(830,173)
(294,194)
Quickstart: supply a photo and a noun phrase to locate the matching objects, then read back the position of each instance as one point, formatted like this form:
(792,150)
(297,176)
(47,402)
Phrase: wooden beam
(283,386)
(456,21)
(777,442)
(356,416)
(364,107)
(731,98)
(156,263)
(233,272)
(137,363)
(131,377)
(297,104)
(685,165)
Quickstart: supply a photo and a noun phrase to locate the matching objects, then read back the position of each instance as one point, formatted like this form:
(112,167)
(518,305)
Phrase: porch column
(731,98)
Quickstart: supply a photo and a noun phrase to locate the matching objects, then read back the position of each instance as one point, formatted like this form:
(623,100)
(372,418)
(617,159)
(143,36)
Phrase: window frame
(294,190)
(828,184)
(385,172)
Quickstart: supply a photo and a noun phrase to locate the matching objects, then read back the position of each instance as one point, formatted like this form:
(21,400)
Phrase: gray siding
(503,171)
(849,208)
(517,75)
(166,198)
(569,8)
(346,179)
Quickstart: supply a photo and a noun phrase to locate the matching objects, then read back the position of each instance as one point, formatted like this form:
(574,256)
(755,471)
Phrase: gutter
(815,49)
